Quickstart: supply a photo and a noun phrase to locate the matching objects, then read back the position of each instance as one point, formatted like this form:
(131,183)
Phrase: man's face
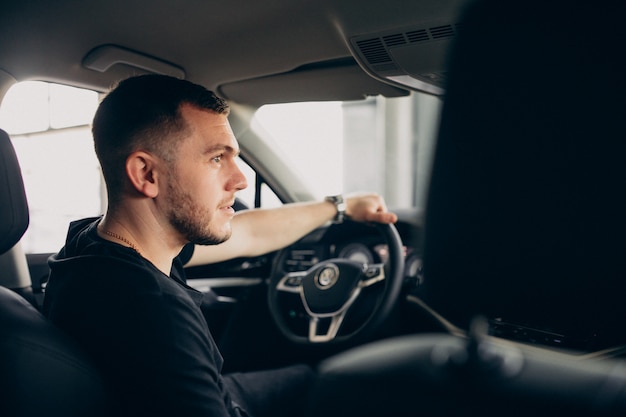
(204,178)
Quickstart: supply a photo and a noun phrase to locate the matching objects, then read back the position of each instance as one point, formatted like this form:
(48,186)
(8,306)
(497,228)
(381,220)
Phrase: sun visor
(412,58)
(335,81)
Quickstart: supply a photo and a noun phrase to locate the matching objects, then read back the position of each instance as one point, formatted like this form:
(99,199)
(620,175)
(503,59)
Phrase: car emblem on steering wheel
(327,277)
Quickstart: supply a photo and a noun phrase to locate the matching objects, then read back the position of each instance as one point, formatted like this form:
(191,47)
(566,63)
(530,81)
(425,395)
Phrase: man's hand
(368,207)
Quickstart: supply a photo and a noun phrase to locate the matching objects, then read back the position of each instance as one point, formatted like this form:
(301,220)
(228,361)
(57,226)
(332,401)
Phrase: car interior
(505,296)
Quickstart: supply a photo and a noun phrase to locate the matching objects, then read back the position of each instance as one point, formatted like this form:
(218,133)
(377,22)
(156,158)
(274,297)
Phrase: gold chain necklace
(123,239)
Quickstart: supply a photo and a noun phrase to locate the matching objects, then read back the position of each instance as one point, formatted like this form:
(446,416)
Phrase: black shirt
(145,330)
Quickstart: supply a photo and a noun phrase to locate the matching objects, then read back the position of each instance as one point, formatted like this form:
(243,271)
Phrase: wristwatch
(340,205)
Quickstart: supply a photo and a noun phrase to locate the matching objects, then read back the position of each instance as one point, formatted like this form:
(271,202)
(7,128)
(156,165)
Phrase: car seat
(525,219)
(524,232)
(42,372)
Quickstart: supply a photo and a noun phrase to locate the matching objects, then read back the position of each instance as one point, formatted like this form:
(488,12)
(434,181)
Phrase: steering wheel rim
(329,288)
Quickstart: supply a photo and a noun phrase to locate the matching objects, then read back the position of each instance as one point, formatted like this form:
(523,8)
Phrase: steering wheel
(326,292)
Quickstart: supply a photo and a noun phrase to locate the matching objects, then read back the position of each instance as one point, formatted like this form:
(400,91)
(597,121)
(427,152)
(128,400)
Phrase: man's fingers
(382,217)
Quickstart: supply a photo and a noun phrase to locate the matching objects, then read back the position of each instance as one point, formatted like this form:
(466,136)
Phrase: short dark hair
(143,112)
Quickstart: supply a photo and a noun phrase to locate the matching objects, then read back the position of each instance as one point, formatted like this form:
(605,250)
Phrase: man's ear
(142,171)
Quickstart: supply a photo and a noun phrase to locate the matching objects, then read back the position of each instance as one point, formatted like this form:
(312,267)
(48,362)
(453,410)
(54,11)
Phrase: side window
(267,197)
(49,125)
(49,128)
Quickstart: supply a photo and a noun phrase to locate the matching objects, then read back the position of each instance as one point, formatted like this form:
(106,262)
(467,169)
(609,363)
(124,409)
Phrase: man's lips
(228,207)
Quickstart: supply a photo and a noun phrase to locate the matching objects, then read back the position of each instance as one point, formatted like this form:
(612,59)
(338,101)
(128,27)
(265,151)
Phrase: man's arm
(259,231)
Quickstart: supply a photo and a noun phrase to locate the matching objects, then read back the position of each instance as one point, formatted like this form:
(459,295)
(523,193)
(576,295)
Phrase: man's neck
(142,234)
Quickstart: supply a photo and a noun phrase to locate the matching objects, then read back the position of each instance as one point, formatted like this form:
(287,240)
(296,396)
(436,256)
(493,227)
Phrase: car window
(311,135)
(267,197)
(49,128)
(377,144)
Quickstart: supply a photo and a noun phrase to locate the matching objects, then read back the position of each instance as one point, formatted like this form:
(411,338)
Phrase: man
(168,157)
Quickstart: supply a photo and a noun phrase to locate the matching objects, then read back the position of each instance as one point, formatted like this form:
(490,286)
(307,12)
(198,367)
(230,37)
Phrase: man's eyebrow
(222,148)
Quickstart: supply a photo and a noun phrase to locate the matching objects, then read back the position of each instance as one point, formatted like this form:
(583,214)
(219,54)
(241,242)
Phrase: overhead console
(414,57)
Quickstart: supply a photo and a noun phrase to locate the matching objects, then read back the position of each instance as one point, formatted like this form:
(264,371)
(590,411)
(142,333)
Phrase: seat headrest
(526,210)
(13,205)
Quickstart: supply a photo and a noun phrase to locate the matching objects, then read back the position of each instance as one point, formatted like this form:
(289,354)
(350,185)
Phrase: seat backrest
(42,371)
(526,212)
(13,205)
(14,218)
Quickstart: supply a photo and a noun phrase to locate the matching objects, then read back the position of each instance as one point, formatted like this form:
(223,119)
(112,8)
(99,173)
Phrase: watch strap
(340,205)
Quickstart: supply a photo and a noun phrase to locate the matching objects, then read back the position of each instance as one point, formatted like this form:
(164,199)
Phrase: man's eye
(217,159)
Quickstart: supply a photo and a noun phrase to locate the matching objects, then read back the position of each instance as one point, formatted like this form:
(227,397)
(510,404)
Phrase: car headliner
(248,51)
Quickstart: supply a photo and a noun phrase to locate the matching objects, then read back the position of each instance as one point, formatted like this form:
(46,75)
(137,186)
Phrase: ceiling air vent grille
(440,32)
(418,35)
(374,51)
(394,40)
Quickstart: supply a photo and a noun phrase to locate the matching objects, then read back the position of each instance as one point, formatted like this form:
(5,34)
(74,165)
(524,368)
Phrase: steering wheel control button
(293,281)
(373,271)
(327,277)
(373,274)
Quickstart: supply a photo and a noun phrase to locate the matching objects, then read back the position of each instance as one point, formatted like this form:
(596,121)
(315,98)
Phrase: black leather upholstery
(526,211)
(13,206)
(444,375)
(42,372)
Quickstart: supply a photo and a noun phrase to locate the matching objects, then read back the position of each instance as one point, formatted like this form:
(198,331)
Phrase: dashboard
(357,242)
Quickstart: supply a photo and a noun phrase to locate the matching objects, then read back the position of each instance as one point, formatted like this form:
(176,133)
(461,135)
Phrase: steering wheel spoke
(330,333)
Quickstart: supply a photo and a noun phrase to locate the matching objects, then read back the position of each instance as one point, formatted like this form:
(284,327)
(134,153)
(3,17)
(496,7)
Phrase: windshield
(378,144)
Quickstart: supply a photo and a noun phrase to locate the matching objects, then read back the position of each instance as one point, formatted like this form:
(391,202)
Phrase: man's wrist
(340,206)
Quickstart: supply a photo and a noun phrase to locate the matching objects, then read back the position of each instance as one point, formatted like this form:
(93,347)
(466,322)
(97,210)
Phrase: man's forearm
(259,231)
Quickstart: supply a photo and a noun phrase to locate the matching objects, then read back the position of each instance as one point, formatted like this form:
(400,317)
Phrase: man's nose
(238,180)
